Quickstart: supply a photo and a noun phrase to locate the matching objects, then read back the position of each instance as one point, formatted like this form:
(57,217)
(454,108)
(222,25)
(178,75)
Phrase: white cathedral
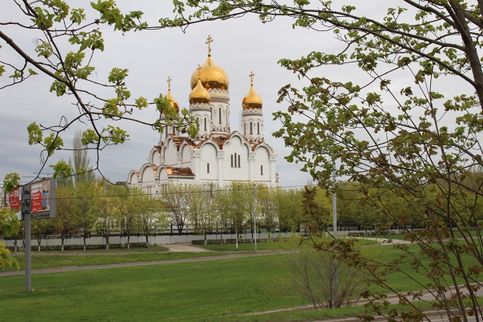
(217,155)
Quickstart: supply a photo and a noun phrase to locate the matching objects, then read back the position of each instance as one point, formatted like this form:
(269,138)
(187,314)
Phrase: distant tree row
(87,206)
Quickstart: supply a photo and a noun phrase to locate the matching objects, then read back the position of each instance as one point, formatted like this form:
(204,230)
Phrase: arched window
(208,167)
(205,123)
(235,160)
(219,115)
(261,170)
(244,129)
(251,128)
(258,128)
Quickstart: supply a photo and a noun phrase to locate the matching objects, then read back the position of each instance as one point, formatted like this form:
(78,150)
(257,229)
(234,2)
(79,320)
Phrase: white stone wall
(240,151)
(171,154)
(208,165)
(261,169)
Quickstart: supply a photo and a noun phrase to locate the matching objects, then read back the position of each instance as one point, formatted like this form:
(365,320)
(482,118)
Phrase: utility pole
(334,207)
(254,216)
(27,216)
(334,231)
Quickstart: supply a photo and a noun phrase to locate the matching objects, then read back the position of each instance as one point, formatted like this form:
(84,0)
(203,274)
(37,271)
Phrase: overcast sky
(239,46)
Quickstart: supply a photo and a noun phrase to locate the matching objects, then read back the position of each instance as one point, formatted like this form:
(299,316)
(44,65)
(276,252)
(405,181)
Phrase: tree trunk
(236,235)
(62,242)
(39,241)
(84,241)
(128,240)
(253,230)
(146,234)
(106,237)
(15,247)
(205,239)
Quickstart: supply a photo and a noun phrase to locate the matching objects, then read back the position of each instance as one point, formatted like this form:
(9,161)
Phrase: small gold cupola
(172,102)
(252,100)
(211,75)
(199,94)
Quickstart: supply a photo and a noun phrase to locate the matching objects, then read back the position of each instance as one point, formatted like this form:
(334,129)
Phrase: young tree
(267,210)
(80,163)
(416,138)
(323,280)
(9,226)
(106,207)
(202,212)
(121,209)
(150,213)
(41,229)
(237,203)
(175,199)
(67,38)
(64,221)
(289,209)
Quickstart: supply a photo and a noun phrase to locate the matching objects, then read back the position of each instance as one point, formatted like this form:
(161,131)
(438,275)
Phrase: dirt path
(385,241)
(392,298)
(149,263)
(185,248)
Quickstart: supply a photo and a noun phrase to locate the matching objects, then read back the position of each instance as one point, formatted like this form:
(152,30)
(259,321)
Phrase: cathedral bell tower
(252,116)
(169,129)
(201,109)
(215,81)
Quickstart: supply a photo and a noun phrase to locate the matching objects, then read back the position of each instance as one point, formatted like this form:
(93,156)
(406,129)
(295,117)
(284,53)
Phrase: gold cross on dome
(251,77)
(209,40)
(169,83)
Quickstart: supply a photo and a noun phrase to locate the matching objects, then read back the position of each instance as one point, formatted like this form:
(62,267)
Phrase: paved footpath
(391,298)
(433,316)
(149,263)
(185,248)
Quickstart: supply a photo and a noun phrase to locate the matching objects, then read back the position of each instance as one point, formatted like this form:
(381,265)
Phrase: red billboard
(41,199)
(14,199)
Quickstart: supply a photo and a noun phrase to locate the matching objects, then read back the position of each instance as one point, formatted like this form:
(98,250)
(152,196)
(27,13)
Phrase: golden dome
(210,74)
(172,102)
(199,94)
(252,100)
(169,96)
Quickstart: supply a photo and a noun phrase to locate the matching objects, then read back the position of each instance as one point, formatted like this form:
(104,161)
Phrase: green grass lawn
(223,290)
(204,291)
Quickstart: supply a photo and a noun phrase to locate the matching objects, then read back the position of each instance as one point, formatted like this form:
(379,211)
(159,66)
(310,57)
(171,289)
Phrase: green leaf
(141,102)
(89,136)
(117,75)
(34,133)
(52,143)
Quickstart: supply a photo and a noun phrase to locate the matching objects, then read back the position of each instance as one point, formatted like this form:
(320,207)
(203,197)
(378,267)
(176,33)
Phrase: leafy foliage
(67,39)
(410,141)
(11,181)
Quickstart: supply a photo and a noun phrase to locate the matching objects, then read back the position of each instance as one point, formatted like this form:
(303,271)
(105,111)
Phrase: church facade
(218,155)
